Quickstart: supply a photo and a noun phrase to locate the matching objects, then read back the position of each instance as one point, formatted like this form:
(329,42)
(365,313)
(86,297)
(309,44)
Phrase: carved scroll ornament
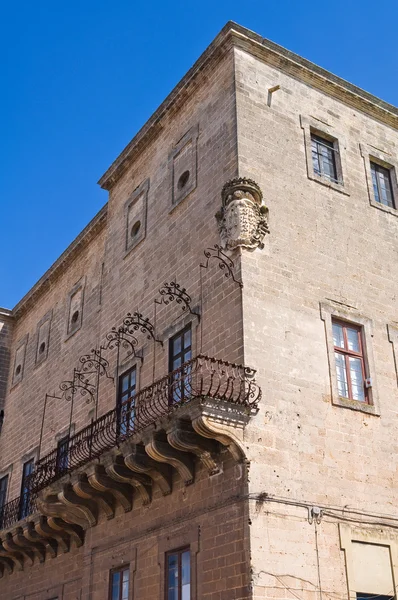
(242,220)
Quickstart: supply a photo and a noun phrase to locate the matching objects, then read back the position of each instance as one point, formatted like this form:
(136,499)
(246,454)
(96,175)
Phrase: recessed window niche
(43,337)
(183,166)
(135,216)
(75,307)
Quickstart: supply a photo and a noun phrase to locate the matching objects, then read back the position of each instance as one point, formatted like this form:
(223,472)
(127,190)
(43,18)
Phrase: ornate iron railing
(17,509)
(202,377)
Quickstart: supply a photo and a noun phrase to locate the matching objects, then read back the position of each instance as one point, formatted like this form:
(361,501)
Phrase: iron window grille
(382,185)
(324,158)
(25,498)
(350,361)
(180,352)
(119,583)
(178,575)
(126,401)
(3,496)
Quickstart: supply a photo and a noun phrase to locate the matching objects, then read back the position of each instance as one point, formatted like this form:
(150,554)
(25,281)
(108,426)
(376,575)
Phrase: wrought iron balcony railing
(202,377)
(17,509)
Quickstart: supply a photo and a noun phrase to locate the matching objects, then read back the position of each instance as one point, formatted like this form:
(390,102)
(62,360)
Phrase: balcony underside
(124,475)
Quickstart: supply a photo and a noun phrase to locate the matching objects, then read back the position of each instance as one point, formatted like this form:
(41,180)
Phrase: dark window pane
(115,586)
(172,577)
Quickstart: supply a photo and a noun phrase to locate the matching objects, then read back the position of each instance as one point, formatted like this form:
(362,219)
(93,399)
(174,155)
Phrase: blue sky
(79,79)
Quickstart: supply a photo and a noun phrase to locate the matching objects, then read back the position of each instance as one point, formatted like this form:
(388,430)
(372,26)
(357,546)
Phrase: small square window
(382,185)
(325,153)
(119,584)
(350,364)
(324,157)
(178,575)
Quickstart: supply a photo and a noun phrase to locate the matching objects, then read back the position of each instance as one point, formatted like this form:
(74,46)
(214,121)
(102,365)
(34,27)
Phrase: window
(324,158)
(126,402)
(62,455)
(349,356)
(119,584)
(24,503)
(180,352)
(3,496)
(178,575)
(382,186)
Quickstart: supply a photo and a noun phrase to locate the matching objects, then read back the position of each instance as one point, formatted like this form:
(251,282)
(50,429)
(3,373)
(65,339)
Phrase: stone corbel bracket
(222,422)
(242,219)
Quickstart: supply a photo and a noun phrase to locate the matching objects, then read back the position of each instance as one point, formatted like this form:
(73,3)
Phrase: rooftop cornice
(95,225)
(234,35)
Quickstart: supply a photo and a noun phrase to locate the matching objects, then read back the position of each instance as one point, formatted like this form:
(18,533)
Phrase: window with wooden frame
(119,583)
(180,352)
(382,184)
(178,575)
(350,360)
(126,400)
(324,157)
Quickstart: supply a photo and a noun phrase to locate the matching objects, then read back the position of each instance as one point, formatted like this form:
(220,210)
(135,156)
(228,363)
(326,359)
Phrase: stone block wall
(328,246)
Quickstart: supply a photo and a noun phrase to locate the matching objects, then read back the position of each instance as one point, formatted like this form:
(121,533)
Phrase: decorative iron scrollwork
(136,322)
(173,291)
(119,338)
(94,363)
(226,265)
(80,384)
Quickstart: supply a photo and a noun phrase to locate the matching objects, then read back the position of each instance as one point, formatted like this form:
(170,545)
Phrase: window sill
(339,187)
(387,209)
(369,409)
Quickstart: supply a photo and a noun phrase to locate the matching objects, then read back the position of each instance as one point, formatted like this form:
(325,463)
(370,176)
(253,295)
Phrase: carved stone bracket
(138,461)
(162,452)
(100,481)
(182,437)
(117,470)
(243,219)
(105,500)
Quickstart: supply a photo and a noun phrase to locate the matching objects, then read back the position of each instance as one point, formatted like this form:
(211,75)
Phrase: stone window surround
(129,363)
(79,285)
(187,538)
(377,536)
(47,317)
(179,325)
(64,432)
(34,453)
(142,189)
(191,135)
(23,342)
(351,315)
(311,125)
(370,153)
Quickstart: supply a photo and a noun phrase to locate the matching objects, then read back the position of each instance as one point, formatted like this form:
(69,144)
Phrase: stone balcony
(187,416)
